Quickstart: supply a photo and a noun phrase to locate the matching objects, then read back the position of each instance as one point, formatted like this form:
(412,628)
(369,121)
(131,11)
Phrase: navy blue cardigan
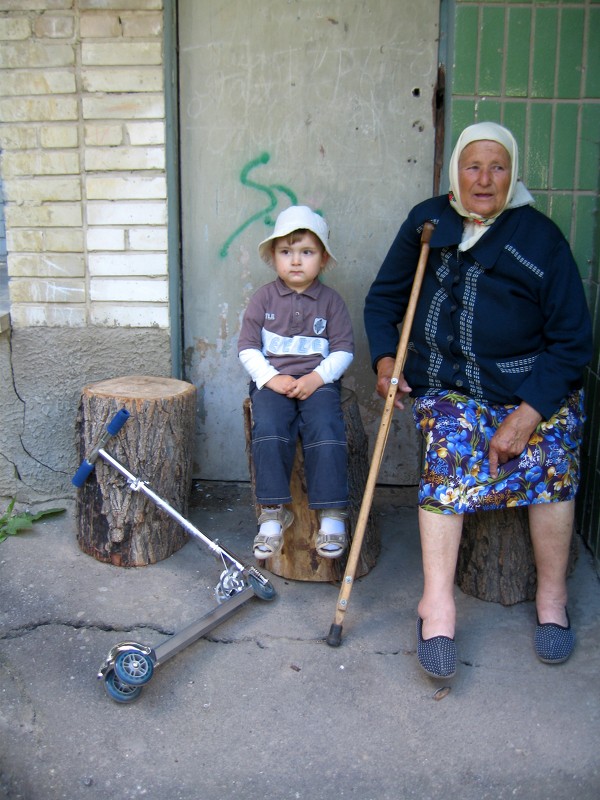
(503,322)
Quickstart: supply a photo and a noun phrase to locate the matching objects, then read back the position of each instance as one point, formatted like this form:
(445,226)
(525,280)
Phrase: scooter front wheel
(118,691)
(134,668)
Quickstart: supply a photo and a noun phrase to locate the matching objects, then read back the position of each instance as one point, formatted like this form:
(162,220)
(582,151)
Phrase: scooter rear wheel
(264,591)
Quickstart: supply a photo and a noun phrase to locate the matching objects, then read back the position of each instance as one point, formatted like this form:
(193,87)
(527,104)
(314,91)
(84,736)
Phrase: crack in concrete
(23,630)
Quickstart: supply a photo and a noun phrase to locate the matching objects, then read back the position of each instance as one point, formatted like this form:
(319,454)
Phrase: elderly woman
(499,341)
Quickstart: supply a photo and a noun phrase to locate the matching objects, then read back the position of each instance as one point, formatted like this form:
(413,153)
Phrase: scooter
(130,665)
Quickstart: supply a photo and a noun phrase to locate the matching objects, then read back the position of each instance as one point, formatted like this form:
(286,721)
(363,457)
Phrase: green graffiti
(270,191)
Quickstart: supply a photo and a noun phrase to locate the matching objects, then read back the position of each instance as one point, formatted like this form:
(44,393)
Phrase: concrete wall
(321,102)
(42,373)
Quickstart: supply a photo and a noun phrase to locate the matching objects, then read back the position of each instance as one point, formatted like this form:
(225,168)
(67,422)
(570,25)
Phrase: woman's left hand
(512,436)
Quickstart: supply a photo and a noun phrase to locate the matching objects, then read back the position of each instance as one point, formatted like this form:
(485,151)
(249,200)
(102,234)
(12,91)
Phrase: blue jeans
(277,422)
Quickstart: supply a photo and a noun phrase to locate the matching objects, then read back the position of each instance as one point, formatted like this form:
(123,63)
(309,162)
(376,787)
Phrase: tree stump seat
(495,560)
(298,558)
(115,524)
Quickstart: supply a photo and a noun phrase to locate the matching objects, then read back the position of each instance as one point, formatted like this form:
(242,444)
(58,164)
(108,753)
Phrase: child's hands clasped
(305,386)
(297,388)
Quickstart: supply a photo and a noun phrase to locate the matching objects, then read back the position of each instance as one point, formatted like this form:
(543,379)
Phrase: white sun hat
(296,218)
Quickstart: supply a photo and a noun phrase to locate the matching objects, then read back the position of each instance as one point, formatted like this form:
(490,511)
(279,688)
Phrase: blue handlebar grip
(117,422)
(112,428)
(82,473)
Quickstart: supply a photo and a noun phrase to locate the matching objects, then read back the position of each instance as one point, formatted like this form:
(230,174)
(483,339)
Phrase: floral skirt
(457,432)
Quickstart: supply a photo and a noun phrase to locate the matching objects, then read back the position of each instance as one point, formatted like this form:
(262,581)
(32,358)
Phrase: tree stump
(495,560)
(298,558)
(117,525)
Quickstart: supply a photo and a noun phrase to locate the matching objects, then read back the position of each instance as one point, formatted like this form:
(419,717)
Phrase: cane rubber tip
(334,638)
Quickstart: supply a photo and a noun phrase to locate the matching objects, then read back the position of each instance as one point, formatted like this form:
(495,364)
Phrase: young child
(295,343)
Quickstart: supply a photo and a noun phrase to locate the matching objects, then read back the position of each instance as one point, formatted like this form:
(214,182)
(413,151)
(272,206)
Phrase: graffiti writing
(271,191)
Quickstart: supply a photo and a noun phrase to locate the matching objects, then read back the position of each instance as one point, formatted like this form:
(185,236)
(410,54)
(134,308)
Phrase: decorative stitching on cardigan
(518,365)
(514,252)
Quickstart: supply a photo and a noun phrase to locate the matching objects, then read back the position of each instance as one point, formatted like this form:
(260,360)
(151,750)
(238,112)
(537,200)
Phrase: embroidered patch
(319,325)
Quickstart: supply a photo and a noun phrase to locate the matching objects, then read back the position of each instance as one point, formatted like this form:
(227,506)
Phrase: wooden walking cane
(334,638)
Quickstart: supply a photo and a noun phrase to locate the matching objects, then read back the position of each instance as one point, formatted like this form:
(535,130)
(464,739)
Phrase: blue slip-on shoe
(437,656)
(554,643)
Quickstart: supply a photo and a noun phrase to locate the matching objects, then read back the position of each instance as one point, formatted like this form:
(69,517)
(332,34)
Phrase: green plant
(11,524)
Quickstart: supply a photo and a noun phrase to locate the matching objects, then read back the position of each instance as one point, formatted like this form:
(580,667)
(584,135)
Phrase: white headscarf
(518,194)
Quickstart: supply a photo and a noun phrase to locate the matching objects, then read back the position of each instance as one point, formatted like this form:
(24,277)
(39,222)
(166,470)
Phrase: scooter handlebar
(87,465)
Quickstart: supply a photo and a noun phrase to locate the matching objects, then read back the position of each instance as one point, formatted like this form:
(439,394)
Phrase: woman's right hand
(385,370)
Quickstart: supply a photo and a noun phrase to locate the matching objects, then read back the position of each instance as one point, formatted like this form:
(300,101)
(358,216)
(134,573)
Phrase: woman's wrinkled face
(484,172)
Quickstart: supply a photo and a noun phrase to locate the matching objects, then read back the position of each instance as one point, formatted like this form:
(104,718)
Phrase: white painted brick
(50,215)
(36,54)
(36,162)
(47,316)
(121,53)
(141,291)
(18,137)
(64,240)
(59,136)
(126,213)
(123,79)
(59,240)
(129,188)
(106,239)
(130,316)
(130,5)
(36,5)
(53,26)
(145,132)
(12,28)
(28,81)
(104,135)
(42,190)
(142,25)
(46,265)
(128,264)
(148,238)
(99,25)
(25,241)
(46,290)
(145,106)
(42,216)
(39,109)
(124,158)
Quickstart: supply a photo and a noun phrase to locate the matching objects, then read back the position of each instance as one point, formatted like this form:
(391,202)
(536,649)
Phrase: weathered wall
(42,372)
(327,103)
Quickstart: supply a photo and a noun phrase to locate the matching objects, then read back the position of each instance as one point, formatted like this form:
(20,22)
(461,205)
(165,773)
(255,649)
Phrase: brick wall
(83,162)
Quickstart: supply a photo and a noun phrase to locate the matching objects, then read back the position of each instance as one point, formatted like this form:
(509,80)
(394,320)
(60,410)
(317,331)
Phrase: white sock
(331,525)
(270,528)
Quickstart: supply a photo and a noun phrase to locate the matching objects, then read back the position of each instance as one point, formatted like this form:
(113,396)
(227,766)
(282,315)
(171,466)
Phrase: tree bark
(298,558)
(117,525)
(495,560)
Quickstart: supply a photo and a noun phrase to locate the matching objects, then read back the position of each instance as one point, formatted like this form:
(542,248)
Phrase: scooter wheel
(133,667)
(118,691)
(264,591)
